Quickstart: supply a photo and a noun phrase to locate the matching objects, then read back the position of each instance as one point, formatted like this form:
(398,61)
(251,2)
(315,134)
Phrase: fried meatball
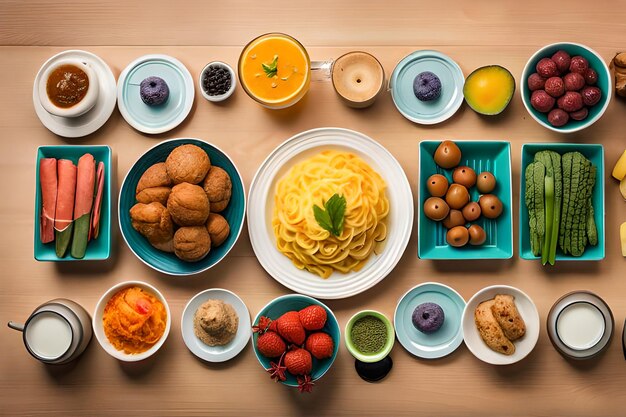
(187,163)
(154,194)
(188,205)
(155,176)
(192,244)
(153,221)
(218,188)
(218,229)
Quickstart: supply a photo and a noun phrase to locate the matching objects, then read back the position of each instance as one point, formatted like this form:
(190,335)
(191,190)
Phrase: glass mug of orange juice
(275,70)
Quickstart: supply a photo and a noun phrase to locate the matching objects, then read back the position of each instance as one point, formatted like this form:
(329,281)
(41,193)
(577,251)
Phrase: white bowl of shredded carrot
(132,321)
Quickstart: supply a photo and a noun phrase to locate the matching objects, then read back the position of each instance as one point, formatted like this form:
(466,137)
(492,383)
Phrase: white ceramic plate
(216,353)
(261,206)
(164,117)
(523,346)
(437,344)
(92,120)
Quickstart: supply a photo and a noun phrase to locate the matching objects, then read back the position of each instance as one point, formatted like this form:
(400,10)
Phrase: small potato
(471,211)
(457,236)
(454,218)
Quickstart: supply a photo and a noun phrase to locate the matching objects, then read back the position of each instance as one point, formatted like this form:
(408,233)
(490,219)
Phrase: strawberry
(313,317)
(290,328)
(270,344)
(273,326)
(298,361)
(320,345)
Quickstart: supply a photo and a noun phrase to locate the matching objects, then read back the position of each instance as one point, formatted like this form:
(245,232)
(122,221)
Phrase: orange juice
(275,70)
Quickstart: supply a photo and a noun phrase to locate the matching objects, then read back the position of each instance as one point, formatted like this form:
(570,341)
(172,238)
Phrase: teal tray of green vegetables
(562,202)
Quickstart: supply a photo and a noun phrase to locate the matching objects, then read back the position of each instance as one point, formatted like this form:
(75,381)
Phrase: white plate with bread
(500,325)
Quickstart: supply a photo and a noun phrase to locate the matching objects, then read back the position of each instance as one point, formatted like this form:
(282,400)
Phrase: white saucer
(92,120)
(216,353)
(166,116)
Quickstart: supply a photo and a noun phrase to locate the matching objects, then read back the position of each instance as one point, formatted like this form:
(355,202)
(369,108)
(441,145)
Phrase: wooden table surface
(174,382)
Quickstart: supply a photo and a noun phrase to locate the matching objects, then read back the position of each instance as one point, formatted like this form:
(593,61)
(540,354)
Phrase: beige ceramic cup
(57,332)
(358,78)
(84,105)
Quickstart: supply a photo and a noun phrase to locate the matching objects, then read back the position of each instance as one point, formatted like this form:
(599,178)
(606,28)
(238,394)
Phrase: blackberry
(216,81)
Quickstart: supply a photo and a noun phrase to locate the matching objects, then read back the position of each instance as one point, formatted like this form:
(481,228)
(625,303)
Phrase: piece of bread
(506,314)
(188,204)
(218,229)
(155,176)
(192,243)
(218,188)
(153,221)
(187,163)
(490,331)
(154,194)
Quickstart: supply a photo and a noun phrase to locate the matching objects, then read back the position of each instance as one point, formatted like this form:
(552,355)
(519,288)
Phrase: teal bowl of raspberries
(566,87)
(296,340)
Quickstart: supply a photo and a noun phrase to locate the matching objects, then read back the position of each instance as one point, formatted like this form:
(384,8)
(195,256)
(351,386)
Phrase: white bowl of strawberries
(296,339)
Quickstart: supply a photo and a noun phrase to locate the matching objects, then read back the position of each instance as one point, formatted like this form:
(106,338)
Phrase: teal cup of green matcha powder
(369,336)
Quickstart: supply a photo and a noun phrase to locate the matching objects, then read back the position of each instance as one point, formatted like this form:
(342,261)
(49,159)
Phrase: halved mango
(488,90)
(619,172)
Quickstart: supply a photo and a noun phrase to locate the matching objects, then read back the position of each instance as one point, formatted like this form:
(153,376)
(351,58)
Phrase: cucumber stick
(80,236)
(549,218)
(539,187)
(62,240)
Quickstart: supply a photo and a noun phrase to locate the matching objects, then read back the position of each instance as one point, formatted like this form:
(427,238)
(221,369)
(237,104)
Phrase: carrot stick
(48,184)
(66,190)
(85,180)
(94,229)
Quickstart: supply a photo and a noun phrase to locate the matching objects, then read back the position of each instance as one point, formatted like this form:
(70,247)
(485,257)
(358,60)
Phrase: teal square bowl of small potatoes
(594,153)
(482,156)
(99,248)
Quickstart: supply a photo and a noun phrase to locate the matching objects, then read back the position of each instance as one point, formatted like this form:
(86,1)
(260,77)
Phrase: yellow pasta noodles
(313,182)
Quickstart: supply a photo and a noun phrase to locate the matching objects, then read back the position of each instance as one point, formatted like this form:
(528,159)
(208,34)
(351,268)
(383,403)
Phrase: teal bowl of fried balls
(168,262)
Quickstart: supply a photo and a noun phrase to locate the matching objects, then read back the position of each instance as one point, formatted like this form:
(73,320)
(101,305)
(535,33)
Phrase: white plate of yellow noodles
(330,213)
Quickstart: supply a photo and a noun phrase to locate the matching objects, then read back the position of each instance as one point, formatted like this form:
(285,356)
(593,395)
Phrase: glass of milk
(57,332)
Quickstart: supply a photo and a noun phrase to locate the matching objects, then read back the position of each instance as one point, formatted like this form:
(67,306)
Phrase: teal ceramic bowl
(370,357)
(604,83)
(290,302)
(97,249)
(593,152)
(165,262)
(486,155)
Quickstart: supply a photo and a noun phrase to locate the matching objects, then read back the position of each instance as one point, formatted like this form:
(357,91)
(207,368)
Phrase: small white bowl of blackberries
(217,81)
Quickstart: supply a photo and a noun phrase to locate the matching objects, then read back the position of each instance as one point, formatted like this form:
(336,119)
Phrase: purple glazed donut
(154,91)
(428,317)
